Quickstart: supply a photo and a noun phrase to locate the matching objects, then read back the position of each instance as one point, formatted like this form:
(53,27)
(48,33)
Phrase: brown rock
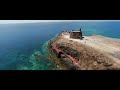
(99,61)
(108,64)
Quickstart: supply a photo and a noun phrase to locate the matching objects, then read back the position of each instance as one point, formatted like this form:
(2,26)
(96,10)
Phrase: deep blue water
(18,42)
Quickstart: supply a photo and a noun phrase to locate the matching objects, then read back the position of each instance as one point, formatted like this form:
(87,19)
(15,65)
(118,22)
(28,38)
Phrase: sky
(36,21)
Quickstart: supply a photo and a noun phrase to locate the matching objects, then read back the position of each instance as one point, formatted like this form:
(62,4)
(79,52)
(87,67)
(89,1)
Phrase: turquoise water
(18,42)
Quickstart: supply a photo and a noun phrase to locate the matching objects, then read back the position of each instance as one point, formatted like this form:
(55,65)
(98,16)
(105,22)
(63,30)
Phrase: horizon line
(45,21)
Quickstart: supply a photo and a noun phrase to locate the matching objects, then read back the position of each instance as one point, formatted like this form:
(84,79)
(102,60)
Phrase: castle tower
(76,34)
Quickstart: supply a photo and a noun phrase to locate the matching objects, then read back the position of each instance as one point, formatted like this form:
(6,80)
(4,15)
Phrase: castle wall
(75,35)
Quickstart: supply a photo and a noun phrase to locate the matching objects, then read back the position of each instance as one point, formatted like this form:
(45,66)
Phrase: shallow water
(18,42)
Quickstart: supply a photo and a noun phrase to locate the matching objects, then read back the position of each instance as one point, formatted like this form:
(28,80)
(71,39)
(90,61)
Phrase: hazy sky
(33,21)
(24,21)
(36,21)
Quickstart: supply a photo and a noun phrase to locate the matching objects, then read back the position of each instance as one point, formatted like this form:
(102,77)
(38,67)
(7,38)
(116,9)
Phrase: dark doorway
(59,54)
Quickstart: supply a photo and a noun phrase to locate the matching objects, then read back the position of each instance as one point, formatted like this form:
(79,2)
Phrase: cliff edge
(94,52)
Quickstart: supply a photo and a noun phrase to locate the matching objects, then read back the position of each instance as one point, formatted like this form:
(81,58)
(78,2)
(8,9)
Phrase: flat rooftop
(75,31)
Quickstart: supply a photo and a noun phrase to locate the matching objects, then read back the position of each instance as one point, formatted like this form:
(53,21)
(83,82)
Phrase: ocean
(18,42)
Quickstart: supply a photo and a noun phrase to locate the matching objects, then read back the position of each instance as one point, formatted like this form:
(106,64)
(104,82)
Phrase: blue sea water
(18,42)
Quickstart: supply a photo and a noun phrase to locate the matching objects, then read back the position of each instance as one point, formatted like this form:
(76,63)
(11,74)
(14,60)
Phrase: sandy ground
(109,46)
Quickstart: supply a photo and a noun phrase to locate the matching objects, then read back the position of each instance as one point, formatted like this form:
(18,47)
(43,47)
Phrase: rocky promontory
(94,52)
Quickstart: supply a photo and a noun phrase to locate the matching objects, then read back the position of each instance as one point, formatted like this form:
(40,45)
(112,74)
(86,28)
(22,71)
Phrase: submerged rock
(37,56)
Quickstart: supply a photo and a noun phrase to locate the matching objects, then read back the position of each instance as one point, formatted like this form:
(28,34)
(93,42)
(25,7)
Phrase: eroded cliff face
(89,58)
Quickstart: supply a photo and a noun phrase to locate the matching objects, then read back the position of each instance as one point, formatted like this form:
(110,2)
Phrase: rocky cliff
(92,53)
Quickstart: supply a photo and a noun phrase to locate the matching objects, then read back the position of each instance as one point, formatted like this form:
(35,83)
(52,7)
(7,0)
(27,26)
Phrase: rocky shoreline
(53,56)
(89,58)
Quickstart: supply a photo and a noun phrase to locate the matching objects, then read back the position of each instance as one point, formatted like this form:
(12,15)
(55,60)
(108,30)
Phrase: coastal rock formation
(92,53)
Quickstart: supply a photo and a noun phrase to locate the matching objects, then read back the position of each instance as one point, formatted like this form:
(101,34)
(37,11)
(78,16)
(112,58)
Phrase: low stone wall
(69,51)
(64,60)
(89,58)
